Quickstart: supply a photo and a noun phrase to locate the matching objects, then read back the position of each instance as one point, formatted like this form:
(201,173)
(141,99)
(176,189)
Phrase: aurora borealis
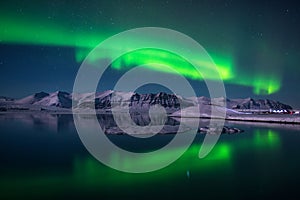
(255,45)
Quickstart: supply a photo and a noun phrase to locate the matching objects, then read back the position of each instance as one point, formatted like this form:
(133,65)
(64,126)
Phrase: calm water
(42,156)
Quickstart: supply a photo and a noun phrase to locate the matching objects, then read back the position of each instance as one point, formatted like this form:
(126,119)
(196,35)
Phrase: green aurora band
(27,31)
(262,84)
(24,31)
(151,57)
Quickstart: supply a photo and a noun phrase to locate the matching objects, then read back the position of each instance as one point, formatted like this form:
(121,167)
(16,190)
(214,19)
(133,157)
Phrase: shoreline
(271,120)
(281,120)
(260,118)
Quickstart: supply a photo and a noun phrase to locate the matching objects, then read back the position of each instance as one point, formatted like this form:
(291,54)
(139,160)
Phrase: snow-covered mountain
(250,103)
(56,99)
(5,99)
(135,101)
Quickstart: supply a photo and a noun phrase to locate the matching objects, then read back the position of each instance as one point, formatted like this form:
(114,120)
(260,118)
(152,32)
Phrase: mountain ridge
(136,101)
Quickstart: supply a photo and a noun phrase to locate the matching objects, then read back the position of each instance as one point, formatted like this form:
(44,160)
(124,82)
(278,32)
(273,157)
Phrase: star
(286,11)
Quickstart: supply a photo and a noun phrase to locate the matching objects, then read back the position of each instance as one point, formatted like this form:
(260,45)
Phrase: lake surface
(43,157)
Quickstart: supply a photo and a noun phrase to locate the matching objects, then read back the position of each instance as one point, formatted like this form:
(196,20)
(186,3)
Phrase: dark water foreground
(43,157)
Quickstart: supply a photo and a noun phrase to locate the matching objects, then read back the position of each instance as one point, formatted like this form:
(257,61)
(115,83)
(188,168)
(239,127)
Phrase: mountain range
(60,100)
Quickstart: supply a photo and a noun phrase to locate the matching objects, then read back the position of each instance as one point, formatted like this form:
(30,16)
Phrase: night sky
(41,41)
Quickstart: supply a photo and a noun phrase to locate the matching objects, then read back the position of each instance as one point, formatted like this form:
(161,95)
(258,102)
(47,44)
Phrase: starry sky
(41,42)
